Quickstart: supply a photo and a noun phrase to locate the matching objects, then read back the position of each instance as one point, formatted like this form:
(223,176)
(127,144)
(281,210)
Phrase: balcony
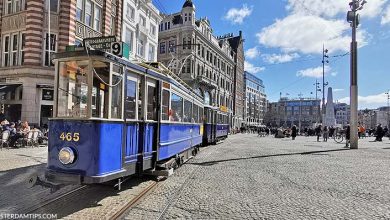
(84,31)
(207,82)
(143,29)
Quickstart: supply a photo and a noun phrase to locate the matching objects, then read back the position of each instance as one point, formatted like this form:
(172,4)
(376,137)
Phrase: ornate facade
(205,62)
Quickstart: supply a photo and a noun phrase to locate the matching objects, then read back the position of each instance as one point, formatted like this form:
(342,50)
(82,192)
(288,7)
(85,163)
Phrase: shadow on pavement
(210,163)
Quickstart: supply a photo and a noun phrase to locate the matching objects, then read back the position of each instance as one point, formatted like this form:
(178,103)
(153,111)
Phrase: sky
(284,41)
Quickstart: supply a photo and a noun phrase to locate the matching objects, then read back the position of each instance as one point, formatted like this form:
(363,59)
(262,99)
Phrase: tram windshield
(73,89)
(89,91)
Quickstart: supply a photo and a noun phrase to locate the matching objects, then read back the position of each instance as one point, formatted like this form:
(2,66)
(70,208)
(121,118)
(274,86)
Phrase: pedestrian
(325,134)
(379,133)
(293,132)
(347,136)
(318,132)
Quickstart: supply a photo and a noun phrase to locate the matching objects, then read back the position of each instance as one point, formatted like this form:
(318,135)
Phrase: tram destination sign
(107,44)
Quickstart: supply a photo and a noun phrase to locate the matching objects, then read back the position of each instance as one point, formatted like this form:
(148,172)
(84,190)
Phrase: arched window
(207,99)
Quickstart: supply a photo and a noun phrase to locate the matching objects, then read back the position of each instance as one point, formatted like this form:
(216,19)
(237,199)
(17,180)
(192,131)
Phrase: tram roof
(138,67)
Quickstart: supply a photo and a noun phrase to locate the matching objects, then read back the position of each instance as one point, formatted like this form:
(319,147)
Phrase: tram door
(132,96)
(213,125)
(151,123)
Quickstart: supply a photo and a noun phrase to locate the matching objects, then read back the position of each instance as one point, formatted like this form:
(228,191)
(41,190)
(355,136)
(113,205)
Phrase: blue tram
(113,118)
(216,125)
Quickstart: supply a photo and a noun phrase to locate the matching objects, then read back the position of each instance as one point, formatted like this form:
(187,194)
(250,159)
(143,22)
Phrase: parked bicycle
(339,136)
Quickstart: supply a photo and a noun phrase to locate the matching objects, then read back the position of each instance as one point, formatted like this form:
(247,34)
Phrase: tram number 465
(70,136)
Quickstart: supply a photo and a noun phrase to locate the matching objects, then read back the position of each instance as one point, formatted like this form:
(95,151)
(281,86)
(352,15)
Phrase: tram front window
(72,89)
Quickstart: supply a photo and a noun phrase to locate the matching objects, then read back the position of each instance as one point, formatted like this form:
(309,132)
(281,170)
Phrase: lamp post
(388,108)
(300,110)
(353,19)
(317,85)
(324,55)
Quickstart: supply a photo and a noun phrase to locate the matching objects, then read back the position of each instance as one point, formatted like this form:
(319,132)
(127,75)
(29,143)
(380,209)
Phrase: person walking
(318,132)
(379,133)
(347,136)
(293,132)
(325,134)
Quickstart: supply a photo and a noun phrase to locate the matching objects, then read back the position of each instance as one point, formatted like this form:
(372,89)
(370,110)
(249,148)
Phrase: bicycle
(339,137)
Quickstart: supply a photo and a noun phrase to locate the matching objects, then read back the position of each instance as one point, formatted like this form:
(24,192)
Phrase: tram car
(113,118)
(216,125)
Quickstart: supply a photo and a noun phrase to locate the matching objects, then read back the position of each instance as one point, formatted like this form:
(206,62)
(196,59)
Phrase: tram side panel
(174,139)
(97,149)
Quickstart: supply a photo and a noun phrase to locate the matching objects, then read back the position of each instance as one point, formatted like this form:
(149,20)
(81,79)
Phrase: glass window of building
(151,52)
(50,47)
(97,18)
(88,13)
(79,10)
(129,38)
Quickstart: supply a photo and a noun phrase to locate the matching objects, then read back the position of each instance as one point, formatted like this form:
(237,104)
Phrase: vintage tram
(113,118)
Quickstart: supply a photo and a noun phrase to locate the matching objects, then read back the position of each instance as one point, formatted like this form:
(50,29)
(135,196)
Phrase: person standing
(347,136)
(318,132)
(325,134)
(293,132)
(379,133)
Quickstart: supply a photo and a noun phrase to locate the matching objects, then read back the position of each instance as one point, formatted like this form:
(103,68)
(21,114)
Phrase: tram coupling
(35,180)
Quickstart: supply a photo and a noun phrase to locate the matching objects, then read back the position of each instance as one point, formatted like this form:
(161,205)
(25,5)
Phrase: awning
(4,88)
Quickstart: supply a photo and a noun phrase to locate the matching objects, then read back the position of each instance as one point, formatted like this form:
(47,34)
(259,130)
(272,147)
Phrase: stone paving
(16,166)
(248,177)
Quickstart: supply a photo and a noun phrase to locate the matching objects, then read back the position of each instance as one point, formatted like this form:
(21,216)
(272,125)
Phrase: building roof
(188,3)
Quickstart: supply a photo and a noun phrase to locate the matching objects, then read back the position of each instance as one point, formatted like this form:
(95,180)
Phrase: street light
(388,107)
(354,19)
(300,110)
(317,85)
(324,55)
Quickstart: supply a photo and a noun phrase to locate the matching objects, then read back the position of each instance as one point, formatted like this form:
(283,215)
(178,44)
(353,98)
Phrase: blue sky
(284,38)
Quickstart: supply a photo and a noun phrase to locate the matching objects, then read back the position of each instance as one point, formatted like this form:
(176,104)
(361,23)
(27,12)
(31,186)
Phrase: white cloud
(252,69)
(386,16)
(280,58)
(306,34)
(252,53)
(338,90)
(371,101)
(237,15)
(315,72)
(332,8)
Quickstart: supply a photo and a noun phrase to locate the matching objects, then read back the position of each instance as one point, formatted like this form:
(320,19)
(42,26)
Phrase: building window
(140,47)
(13,6)
(130,12)
(152,30)
(112,25)
(129,38)
(88,13)
(162,47)
(79,10)
(97,17)
(22,47)
(14,52)
(6,51)
(172,45)
(151,52)
(142,21)
(53,5)
(50,47)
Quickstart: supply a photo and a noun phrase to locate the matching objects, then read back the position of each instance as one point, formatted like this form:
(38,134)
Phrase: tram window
(187,111)
(72,95)
(165,105)
(177,108)
(152,103)
(201,116)
(100,89)
(130,104)
(116,99)
(195,114)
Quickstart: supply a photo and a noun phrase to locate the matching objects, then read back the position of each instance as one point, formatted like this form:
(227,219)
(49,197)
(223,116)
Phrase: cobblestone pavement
(266,178)
(16,165)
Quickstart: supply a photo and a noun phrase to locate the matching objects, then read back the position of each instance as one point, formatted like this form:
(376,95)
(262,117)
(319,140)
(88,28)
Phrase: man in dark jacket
(379,133)
(347,136)
(293,132)
(318,132)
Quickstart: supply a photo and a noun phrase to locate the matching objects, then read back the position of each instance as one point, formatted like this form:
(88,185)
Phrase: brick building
(26,73)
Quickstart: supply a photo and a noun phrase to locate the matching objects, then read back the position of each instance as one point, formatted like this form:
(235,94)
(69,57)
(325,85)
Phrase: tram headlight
(66,155)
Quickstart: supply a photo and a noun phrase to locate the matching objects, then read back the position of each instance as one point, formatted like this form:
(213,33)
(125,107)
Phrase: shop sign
(47,94)
(108,44)
(223,108)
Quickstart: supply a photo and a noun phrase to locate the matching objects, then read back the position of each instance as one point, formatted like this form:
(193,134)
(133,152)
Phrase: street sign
(108,44)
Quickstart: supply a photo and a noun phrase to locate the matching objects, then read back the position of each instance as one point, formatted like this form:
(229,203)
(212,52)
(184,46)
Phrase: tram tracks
(42,205)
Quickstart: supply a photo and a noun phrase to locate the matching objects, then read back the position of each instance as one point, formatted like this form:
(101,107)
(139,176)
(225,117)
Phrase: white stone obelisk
(330,119)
